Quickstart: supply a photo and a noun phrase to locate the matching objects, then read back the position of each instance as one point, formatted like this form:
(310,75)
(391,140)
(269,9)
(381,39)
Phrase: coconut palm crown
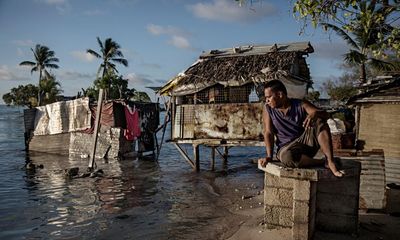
(365,37)
(44,58)
(110,53)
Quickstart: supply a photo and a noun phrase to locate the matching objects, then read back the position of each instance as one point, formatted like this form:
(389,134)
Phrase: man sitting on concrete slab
(300,129)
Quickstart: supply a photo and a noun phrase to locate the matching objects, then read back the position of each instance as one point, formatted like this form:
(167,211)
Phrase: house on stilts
(217,102)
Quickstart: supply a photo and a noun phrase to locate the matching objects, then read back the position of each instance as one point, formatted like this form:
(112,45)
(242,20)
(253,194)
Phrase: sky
(159,38)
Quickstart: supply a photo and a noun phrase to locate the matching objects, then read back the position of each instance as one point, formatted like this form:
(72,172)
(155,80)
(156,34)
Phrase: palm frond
(354,57)
(122,61)
(34,69)
(342,34)
(380,64)
(49,65)
(27,63)
(90,51)
(100,44)
(51,59)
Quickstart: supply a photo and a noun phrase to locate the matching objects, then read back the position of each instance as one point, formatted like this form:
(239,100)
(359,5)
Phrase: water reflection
(67,203)
(135,199)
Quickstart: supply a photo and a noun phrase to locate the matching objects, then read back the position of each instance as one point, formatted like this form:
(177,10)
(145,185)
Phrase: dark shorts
(306,144)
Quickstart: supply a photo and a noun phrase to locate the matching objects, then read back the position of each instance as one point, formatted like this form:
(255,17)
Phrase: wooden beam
(185,156)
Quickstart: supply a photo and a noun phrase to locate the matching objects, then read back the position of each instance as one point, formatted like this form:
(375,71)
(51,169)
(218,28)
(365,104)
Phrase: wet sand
(244,221)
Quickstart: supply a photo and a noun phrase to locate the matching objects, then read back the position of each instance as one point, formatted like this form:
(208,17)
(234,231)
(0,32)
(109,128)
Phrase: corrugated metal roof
(259,49)
(382,91)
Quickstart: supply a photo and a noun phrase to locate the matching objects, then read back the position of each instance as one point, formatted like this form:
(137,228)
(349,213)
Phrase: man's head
(275,93)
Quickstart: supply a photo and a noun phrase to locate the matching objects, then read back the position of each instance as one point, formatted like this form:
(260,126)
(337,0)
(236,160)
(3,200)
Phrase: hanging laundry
(132,131)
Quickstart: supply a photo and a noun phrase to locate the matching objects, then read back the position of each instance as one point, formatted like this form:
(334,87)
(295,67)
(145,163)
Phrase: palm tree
(110,53)
(44,58)
(50,89)
(367,36)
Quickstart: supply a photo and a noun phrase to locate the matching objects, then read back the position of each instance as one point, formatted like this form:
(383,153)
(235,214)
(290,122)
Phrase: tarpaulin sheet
(62,117)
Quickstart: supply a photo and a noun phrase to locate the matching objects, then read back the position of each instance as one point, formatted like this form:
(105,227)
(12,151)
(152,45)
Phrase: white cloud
(177,37)
(62,6)
(83,56)
(23,43)
(229,11)
(7,74)
(179,42)
(139,80)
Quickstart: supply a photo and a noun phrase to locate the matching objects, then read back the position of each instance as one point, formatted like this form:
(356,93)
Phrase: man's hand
(308,122)
(264,161)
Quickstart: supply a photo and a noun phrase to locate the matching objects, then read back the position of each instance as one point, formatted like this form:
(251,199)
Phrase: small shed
(66,128)
(217,101)
(377,124)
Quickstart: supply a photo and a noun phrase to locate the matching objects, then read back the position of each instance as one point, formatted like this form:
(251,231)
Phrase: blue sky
(159,38)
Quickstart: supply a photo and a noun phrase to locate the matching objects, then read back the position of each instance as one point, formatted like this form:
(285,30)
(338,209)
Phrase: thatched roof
(241,65)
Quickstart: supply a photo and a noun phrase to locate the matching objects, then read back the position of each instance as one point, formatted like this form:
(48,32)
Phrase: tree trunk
(107,88)
(39,89)
(363,75)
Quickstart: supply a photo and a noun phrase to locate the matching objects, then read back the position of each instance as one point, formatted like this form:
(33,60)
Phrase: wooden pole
(225,154)
(164,127)
(212,158)
(196,157)
(96,129)
(185,155)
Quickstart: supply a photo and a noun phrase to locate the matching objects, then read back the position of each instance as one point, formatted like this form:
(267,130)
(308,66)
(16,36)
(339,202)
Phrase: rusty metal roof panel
(249,50)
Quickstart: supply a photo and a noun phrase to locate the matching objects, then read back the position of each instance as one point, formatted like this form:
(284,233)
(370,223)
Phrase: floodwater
(135,199)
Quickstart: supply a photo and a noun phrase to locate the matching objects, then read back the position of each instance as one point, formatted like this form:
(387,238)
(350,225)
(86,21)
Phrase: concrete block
(278,216)
(278,182)
(278,197)
(301,190)
(301,232)
(285,216)
(301,212)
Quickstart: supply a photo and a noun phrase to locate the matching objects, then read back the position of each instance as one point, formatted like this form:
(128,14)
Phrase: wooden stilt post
(225,155)
(212,158)
(164,127)
(196,157)
(96,129)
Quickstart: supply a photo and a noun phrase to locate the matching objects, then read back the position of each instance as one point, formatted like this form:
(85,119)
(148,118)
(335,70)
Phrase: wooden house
(217,102)
(377,121)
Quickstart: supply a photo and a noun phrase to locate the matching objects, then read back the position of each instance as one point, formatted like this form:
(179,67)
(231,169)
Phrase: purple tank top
(290,126)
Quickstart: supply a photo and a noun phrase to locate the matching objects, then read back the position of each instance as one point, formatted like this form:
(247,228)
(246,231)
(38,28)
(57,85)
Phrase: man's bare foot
(331,165)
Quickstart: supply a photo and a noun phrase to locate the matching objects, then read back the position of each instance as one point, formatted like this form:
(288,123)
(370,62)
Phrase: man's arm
(313,113)
(268,138)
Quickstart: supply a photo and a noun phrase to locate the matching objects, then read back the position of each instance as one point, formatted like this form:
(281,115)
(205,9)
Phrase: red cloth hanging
(132,130)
